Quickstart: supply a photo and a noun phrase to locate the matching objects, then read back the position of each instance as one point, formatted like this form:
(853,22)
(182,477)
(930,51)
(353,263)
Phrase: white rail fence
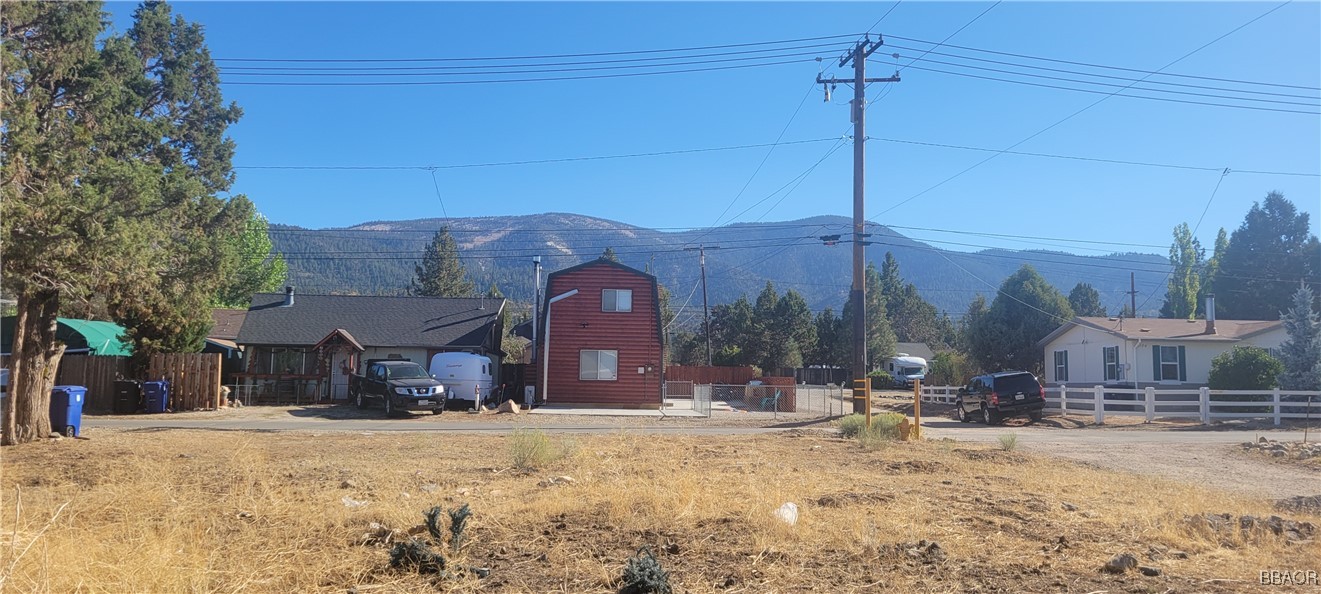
(1190,403)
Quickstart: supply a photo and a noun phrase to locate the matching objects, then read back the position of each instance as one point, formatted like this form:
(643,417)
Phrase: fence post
(1064,400)
(1150,397)
(1098,404)
(1204,400)
(1275,396)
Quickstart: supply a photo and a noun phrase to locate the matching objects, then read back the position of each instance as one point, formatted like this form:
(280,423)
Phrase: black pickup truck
(402,385)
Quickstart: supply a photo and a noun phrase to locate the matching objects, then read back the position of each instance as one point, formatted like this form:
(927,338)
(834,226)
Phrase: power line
(507,80)
(1076,113)
(1219,181)
(1135,70)
(535,70)
(530,161)
(1092,74)
(540,57)
(956,32)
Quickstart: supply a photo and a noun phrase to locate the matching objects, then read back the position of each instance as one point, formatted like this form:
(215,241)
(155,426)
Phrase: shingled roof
(1168,329)
(425,322)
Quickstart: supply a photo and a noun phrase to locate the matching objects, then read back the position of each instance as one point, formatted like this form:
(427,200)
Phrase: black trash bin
(128,397)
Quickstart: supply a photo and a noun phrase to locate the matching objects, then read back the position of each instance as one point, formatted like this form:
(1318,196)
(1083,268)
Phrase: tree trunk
(35,361)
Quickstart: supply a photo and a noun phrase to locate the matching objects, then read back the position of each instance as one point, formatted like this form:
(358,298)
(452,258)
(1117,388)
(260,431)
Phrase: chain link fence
(793,402)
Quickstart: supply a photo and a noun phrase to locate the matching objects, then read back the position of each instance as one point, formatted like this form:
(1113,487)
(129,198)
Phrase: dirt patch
(295,512)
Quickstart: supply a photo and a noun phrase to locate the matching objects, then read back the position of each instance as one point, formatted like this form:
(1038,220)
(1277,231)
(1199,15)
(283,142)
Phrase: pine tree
(1268,255)
(1085,301)
(1301,352)
(441,274)
(114,163)
(609,254)
(880,335)
(1025,310)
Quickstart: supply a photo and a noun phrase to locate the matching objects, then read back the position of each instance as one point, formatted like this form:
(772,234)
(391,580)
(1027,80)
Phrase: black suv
(997,396)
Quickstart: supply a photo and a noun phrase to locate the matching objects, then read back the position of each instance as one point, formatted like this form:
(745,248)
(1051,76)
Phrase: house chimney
(288,296)
(1210,313)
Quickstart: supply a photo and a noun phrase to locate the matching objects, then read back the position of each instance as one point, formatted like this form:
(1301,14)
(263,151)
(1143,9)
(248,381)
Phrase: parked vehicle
(998,396)
(906,369)
(400,385)
(466,377)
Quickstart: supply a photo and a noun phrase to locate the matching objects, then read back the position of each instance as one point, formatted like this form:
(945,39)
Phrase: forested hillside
(378,258)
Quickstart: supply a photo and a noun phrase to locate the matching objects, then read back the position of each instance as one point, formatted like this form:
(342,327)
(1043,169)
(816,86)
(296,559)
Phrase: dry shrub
(1008,441)
(530,449)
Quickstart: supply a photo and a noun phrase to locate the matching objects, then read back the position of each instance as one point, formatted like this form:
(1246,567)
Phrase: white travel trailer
(466,377)
(905,369)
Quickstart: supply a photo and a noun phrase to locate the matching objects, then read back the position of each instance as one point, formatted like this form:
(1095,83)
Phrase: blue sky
(445,125)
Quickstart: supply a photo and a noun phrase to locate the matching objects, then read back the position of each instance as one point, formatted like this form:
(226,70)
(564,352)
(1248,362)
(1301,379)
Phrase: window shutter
(1105,364)
(1183,365)
(1155,363)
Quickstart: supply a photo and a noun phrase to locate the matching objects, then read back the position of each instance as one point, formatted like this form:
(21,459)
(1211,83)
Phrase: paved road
(933,429)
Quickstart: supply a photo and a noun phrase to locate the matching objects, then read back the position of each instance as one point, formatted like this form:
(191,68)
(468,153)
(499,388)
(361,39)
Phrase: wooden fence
(194,378)
(702,374)
(1204,404)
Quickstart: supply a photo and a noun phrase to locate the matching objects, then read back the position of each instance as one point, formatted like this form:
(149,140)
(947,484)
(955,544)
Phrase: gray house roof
(425,322)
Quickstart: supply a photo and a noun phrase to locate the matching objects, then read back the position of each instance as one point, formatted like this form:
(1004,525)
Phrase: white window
(1169,363)
(616,300)
(1112,370)
(598,365)
(1061,366)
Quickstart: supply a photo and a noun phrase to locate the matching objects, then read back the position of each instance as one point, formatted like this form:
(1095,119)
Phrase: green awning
(102,338)
(97,337)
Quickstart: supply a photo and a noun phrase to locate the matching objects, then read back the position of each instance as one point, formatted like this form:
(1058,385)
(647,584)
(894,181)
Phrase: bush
(852,425)
(950,368)
(1244,368)
(884,428)
(530,449)
(881,380)
(643,574)
(1009,442)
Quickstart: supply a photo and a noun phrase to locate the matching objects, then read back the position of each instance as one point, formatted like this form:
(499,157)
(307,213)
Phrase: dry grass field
(211,511)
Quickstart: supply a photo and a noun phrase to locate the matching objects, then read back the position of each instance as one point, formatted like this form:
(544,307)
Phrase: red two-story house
(601,329)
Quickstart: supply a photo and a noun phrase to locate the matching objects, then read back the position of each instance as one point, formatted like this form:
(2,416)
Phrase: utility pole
(1133,294)
(857,295)
(706,314)
(536,303)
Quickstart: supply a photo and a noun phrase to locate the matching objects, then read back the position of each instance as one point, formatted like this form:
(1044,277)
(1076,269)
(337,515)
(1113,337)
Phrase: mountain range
(378,257)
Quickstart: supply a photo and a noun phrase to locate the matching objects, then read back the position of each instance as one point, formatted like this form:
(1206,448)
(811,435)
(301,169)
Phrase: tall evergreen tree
(257,268)
(1085,301)
(441,274)
(113,158)
(970,325)
(911,317)
(1301,352)
(1268,255)
(609,254)
(1210,269)
(880,336)
(1026,309)
(794,334)
(831,343)
(1185,280)
(733,333)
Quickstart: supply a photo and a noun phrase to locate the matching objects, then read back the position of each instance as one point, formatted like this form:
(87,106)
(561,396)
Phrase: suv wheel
(357,396)
(389,406)
(989,416)
(960,412)
(1035,417)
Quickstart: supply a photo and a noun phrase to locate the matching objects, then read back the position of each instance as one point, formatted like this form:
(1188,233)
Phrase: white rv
(905,369)
(466,377)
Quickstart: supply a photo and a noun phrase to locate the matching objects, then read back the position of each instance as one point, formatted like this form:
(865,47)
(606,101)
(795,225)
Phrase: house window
(1169,363)
(598,365)
(289,361)
(616,300)
(1061,366)
(1112,371)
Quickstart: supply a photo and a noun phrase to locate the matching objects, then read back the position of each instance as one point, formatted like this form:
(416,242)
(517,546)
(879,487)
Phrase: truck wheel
(357,396)
(436,411)
(990,417)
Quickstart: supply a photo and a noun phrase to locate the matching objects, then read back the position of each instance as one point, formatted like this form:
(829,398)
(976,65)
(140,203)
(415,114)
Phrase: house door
(339,381)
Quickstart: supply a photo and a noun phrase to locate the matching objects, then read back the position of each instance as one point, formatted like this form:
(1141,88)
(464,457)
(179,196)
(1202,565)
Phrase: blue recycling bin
(156,396)
(66,409)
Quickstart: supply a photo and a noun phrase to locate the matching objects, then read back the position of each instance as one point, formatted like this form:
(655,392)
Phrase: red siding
(577,323)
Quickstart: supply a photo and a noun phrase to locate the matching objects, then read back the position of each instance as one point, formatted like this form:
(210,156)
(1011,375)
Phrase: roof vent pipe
(289,296)
(1210,313)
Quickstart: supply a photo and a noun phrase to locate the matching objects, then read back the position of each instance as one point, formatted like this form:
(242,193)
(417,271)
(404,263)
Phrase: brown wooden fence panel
(97,374)
(702,374)
(194,378)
